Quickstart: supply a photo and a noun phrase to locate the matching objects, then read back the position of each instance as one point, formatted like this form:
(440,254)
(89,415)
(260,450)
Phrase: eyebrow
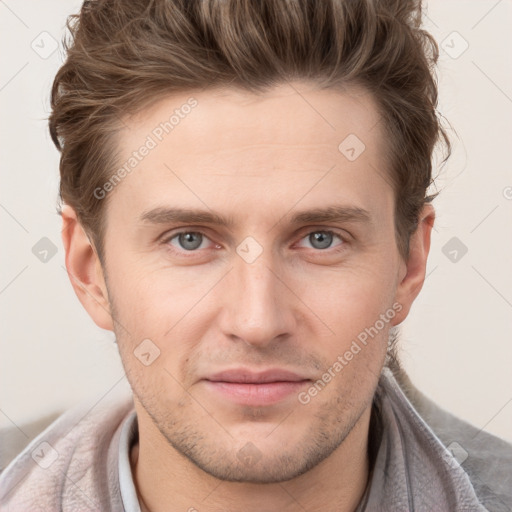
(334,213)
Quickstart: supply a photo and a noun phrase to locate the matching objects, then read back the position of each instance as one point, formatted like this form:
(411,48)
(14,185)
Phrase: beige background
(456,344)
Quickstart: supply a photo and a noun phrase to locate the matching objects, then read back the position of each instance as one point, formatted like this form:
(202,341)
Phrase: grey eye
(190,240)
(321,239)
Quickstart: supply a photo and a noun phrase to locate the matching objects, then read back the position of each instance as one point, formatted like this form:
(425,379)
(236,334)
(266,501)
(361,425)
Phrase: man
(245,205)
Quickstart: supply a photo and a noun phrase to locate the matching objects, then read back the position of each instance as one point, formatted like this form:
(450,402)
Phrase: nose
(258,304)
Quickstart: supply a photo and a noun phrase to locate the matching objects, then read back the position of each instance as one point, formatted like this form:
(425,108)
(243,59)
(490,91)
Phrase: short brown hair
(124,54)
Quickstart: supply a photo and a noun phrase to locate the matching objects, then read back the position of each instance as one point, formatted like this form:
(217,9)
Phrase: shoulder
(73,459)
(486,459)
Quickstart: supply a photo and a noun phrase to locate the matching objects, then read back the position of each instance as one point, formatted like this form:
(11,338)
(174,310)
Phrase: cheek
(349,297)
(352,305)
(166,306)
(149,298)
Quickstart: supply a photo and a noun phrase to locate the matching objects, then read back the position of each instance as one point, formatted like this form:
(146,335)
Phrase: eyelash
(190,254)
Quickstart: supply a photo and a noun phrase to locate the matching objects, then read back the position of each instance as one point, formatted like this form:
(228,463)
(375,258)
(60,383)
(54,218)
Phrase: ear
(412,272)
(84,270)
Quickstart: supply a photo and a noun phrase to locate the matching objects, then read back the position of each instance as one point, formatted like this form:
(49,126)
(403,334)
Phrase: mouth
(244,387)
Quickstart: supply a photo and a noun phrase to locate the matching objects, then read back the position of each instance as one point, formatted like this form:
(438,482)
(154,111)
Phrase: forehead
(293,142)
(243,118)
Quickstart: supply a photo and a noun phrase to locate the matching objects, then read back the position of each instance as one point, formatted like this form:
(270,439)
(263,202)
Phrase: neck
(168,481)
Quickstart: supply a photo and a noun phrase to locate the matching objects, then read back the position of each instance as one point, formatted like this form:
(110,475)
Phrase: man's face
(269,290)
